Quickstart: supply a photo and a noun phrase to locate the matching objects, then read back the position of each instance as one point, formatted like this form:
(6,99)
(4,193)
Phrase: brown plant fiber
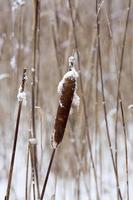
(65,102)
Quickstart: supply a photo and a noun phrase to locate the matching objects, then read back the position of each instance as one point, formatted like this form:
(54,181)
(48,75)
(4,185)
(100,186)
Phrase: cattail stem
(83,98)
(15,139)
(27,174)
(67,88)
(47,174)
(119,99)
(104,100)
(36,8)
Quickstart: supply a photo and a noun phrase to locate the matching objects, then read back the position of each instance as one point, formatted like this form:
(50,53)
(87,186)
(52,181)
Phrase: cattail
(67,91)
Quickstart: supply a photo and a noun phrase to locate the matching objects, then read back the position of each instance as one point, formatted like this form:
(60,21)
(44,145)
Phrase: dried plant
(67,91)
(21,96)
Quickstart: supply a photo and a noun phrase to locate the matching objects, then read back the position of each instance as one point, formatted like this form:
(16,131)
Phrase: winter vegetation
(66,106)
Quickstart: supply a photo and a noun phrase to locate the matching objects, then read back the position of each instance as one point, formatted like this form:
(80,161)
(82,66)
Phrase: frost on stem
(4,76)
(13,62)
(17,3)
(67,96)
(21,95)
(33,141)
(130,106)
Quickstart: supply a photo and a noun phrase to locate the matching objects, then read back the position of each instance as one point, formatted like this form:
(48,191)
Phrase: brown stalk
(38,10)
(119,98)
(83,99)
(33,87)
(27,174)
(15,139)
(103,98)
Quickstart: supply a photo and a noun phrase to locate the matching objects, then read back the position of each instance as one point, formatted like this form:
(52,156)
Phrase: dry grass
(41,35)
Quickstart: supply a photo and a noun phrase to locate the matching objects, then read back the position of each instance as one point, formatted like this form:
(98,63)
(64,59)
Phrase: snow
(4,76)
(17,3)
(33,69)
(71,61)
(61,105)
(33,141)
(21,95)
(53,142)
(130,106)
(13,62)
(74,75)
(76,100)
(70,74)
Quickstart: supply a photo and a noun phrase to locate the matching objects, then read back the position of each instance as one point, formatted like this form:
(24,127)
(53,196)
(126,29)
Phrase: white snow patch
(33,141)
(70,74)
(73,74)
(71,61)
(13,62)
(130,106)
(53,142)
(33,69)
(21,95)
(17,3)
(76,100)
(4,76)
(61,105)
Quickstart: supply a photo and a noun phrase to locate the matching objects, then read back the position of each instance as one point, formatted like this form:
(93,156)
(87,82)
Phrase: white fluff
(71,61)
(21,95)
(70,74)
(130,106)
(13,62)
(53,142)
(76,100)
(4,76)
(33,141)
(17,3)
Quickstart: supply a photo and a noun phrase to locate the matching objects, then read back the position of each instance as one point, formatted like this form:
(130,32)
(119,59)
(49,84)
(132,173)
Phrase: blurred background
(72,173)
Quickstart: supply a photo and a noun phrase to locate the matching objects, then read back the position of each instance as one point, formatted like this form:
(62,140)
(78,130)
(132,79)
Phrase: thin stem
(83,100)
(47,174)
(104,101)
(38,50)
(33,86)
(15,139)
(27,174)
(126,149)
(119,99)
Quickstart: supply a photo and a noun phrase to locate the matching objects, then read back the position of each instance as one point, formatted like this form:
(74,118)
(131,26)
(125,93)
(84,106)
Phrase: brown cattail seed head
(66,89)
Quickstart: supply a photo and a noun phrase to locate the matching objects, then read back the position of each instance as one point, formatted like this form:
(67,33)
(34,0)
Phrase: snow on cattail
(67,90)
(21,96)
